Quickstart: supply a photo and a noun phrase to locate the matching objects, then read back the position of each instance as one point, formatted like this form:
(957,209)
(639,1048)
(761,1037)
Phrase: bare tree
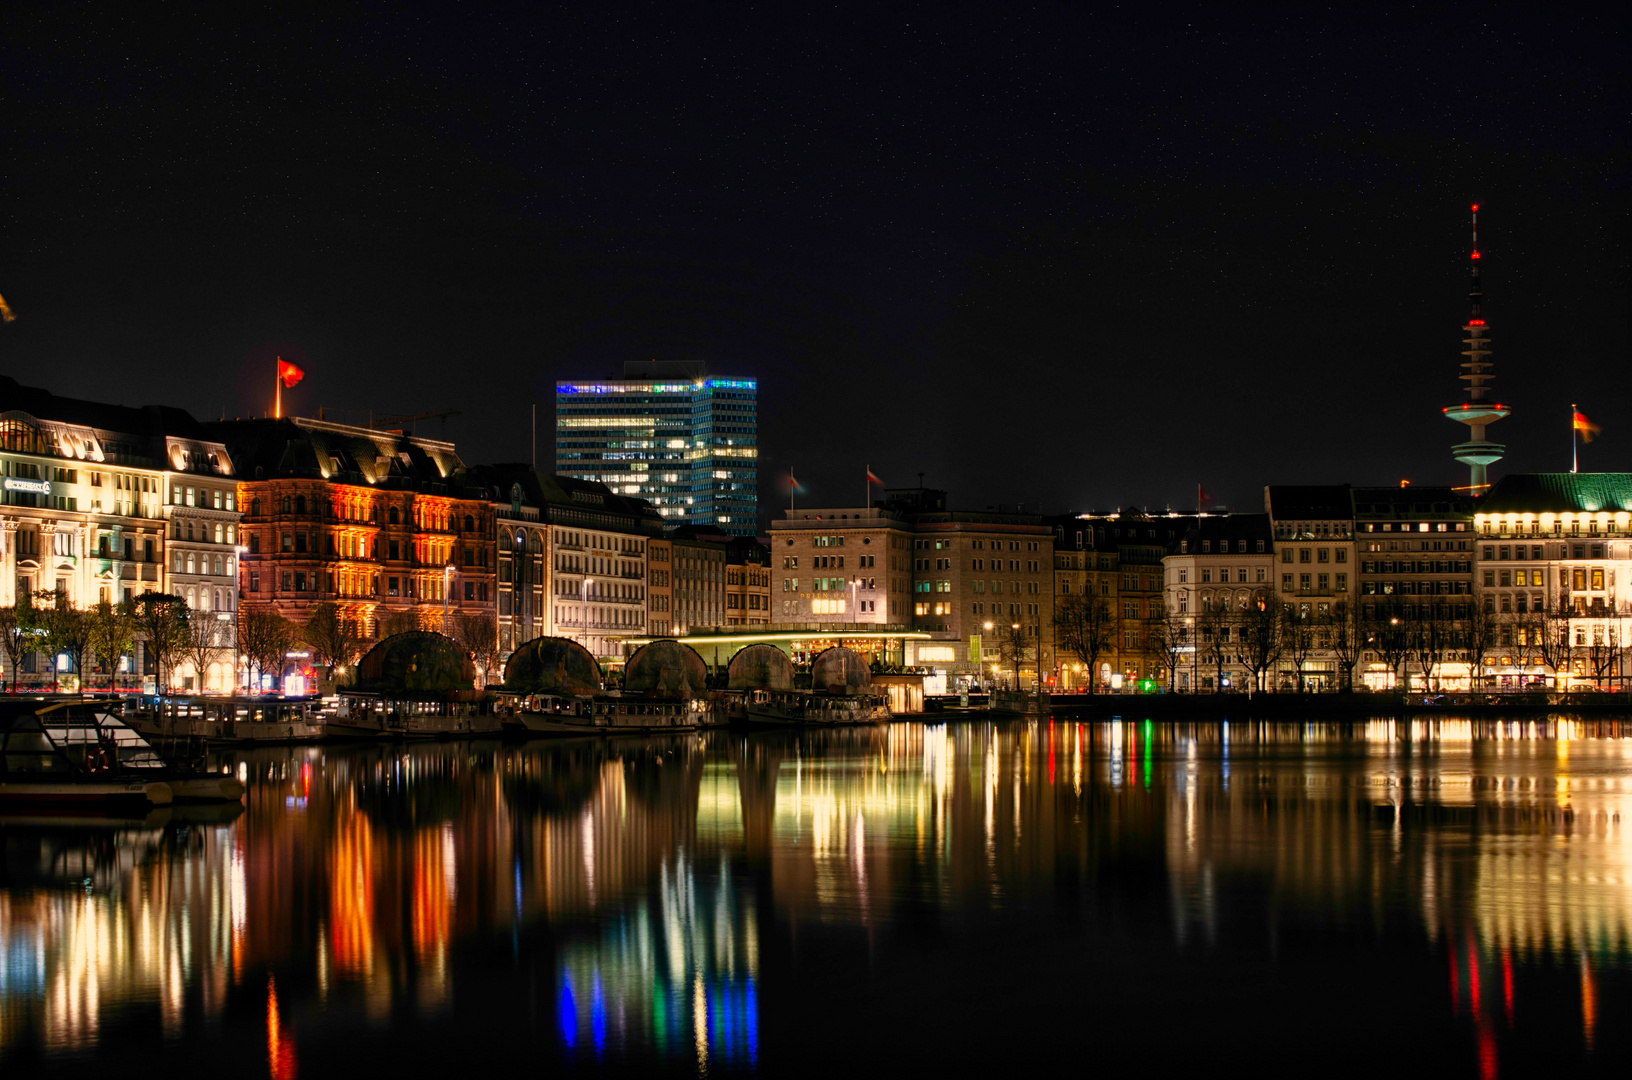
(67,630)
(1258,637)
(1479,632)
(1554,643)
(1169,640)
(1085,626)
(1213,639)
(397,622)
(1602,651)
(113,628)
(1013,646)
(480,637)
(1347,638)
(265,637)
(16,634)
(161,626)
(206,640)
(335,641)
(1388,634)
(1297,637)
(1432,637)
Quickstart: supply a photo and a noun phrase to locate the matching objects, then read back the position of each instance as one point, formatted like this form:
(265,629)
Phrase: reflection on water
(731,902)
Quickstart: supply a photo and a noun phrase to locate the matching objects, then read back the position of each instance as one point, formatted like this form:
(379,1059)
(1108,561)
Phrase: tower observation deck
(1478,410)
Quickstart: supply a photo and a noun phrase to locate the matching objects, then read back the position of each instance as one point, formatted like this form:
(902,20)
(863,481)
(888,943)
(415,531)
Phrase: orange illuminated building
(377,522)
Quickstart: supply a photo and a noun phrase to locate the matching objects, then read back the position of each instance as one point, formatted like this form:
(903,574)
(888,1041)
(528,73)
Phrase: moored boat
(228,720)
(526,715)
(63,754)
(842,694)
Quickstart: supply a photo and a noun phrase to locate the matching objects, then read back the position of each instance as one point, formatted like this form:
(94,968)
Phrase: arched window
(470,523)
(394,516)
(286,504)
(521,538)
(255,507)
(300,504)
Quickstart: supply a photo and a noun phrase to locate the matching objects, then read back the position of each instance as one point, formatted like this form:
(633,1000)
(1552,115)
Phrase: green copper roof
(1544,493)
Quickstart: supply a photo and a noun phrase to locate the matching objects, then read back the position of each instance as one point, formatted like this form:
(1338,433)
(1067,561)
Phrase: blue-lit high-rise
(669,433)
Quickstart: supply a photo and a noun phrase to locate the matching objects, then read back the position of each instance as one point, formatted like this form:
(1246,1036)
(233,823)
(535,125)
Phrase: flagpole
(277,389)
(1575,442)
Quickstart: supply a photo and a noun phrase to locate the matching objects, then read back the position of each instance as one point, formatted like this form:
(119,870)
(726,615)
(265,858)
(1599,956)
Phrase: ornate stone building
(570,558)
(378,522)
(101,501)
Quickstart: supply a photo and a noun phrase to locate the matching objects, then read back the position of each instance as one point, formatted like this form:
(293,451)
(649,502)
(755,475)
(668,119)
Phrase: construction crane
(409,418)
(387,421)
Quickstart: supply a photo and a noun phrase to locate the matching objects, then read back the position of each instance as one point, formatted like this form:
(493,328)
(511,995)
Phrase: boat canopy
(761,667)
(552,665)
(839,671)
(666,669)
(418,664)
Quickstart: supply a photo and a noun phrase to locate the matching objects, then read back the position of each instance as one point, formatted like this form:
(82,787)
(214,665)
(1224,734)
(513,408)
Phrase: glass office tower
(668,433)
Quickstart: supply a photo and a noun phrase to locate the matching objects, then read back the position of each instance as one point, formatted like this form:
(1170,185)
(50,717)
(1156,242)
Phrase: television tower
(1478,410)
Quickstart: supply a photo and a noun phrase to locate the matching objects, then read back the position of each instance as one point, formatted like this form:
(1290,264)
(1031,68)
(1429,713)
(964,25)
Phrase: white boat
(74,754)
(228,720)
(376,716)
(527,715)
(794,708)
(641,714)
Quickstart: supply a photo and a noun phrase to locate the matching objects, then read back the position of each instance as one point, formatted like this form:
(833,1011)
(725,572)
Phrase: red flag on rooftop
(1203,498)
(288,373)
(1586,427)
(872,477)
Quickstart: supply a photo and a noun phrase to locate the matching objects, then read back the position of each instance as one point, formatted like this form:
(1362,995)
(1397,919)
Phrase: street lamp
(238,600)
(1014,644)
(1189,632)
(447,573)
(583,610)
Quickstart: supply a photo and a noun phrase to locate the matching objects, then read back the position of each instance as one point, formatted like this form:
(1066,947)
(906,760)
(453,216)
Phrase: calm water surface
(1351,898)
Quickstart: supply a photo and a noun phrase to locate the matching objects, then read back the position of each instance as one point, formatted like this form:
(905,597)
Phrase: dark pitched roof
(1543,493)
(1318,502)
(295,446)
(1413,501)
(152,421)
(542,489)
(1225,527)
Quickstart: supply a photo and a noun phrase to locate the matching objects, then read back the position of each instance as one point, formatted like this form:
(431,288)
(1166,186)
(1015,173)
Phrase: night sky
(1071,258)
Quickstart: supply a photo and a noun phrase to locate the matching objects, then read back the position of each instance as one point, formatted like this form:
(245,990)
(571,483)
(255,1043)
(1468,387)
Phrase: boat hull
(528,724)
(84,792)
(220,788)
(231,733)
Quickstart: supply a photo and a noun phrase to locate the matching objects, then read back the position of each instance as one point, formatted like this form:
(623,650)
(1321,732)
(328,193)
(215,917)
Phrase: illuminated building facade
(1553,562)
(670,434)
(659,587)
(1414,546)
(1085,571)
(1134,542)
(1313,528)
(94,502)
(747,582)
(910,563)
(1215,571)
(570,555)
(376,522)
